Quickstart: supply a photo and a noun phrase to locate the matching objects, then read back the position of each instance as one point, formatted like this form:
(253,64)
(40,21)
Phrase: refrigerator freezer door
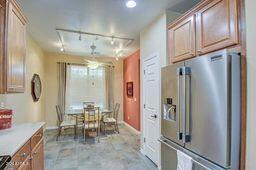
(169,157)
(171,122)
(209,115)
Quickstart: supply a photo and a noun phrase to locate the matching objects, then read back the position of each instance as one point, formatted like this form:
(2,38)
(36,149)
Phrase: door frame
(143,119)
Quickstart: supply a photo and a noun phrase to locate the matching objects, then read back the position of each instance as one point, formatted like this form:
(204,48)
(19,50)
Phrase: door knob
(154,116)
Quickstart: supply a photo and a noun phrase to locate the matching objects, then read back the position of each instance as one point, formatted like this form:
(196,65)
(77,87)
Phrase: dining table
(78,111)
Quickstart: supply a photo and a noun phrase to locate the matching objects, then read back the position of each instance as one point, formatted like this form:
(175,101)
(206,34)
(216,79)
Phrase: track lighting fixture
(80,37)
(126,41)
(112,41)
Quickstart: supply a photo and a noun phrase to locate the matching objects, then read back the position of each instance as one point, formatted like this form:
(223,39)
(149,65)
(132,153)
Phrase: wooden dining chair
(113,120)
(91,120)
(62,123)
(88,104)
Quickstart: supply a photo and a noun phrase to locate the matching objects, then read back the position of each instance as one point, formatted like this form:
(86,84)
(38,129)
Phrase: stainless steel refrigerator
(200,108)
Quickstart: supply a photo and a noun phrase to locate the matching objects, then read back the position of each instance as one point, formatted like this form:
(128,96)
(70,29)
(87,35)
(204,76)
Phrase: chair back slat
(91,117)
(88,104)
(114,118)
(116,111)
(59,114)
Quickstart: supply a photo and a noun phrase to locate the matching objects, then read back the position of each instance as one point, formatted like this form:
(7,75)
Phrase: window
(85,85)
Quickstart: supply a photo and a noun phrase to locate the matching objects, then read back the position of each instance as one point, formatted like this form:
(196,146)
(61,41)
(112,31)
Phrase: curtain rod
(79,64)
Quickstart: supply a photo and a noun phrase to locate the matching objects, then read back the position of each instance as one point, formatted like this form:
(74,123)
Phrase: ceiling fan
(93,63)
(93,52)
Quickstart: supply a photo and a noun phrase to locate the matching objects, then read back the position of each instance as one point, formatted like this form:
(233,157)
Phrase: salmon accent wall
(132,104)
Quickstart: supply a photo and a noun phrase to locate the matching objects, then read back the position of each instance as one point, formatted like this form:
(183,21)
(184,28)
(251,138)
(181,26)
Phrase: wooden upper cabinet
(216,26)
(16,48)
(182,39)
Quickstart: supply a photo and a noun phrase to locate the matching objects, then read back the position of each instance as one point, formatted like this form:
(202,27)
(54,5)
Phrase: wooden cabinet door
(26,165)
(182,40)
(216,26)
(37,154)
(2,46)
(21,159)
(16,49)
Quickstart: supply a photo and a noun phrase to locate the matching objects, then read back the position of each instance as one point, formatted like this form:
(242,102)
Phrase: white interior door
(151,105)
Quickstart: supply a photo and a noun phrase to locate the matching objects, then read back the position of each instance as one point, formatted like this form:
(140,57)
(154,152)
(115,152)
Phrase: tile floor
(113,152)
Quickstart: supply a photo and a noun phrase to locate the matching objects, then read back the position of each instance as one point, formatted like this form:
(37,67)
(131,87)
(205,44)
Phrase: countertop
(11,140)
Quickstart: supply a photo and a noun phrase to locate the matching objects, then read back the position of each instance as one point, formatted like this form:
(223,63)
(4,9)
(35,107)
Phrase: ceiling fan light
(131,4)
(61,49)
(93,65)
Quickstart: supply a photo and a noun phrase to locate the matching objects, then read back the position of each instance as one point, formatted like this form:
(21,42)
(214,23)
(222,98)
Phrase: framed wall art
(129,89)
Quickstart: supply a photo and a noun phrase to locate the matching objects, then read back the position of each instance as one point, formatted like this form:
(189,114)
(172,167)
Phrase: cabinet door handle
(23,154)
(39,135)
(191,54)
(199,51)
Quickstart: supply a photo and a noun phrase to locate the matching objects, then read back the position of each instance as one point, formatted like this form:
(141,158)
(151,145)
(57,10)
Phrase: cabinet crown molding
(15,4)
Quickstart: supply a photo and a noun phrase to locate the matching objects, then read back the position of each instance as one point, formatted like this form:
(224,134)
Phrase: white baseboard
(121,122)
(131,128)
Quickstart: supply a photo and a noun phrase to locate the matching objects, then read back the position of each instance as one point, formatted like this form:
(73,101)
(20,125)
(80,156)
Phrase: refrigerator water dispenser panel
(169,110)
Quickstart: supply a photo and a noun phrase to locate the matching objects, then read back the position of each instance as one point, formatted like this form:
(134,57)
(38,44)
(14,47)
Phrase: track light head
(112,42)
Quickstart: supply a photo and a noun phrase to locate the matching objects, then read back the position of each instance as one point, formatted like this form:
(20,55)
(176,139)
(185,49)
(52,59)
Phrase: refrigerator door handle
(186,71)
(179,133)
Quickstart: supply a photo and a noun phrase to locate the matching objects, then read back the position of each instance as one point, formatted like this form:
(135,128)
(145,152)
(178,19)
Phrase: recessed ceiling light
(131,4)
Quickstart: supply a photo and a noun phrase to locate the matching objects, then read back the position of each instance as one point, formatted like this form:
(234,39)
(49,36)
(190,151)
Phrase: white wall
(171,16)
(51,77)
(22,104)
(251,84)
(153,40)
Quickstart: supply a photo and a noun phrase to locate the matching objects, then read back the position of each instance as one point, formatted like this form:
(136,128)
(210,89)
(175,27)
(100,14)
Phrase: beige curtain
(62,67)
(109,78)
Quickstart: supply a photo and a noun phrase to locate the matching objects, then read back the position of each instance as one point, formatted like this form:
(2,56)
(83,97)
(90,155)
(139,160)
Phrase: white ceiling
(110,17)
